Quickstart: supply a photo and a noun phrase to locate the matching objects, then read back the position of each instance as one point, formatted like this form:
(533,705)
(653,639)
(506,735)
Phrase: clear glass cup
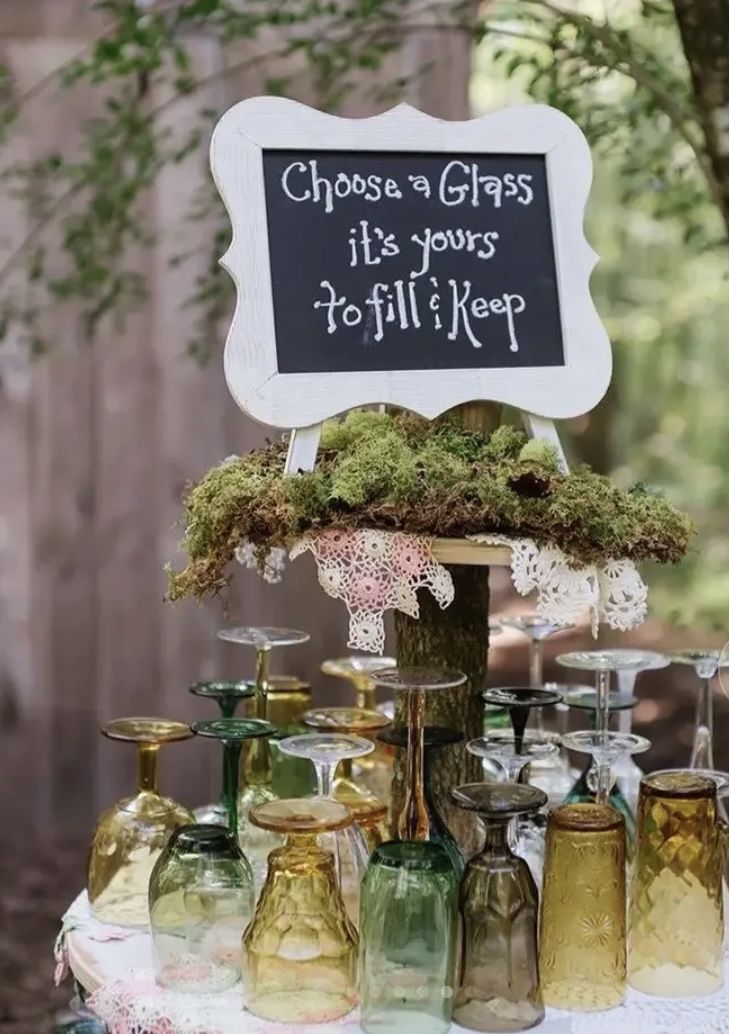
(706,664)
(435,738)
(349,844)
(408,927)
(676,916)
(498,983)
(582,953)
(258,783)
(300,951)
(526,837)
(131,835)
(537,630)
(200,902)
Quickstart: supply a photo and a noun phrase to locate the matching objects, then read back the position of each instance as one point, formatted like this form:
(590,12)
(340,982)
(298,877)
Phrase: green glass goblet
(232,733)
(227,695)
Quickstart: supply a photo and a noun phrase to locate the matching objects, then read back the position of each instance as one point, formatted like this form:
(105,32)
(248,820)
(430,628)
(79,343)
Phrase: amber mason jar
(582,951)
(676,938)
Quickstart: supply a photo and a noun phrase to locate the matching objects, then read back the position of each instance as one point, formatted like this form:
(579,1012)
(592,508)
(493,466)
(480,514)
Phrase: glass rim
(679,785)
(360,719)
(262,637)
(434,736)
(218,689)
(234,729)
(412,855)
(587,816)
(603,660)
(304,815)
(352,746)
(356,664)
(425,679)
(534,696)
(146,730)
(499,800)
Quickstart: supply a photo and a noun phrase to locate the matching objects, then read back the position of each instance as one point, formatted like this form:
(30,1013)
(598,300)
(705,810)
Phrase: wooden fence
(96,445)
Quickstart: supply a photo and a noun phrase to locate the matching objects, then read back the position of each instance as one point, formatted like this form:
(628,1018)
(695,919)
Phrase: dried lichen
(379,470)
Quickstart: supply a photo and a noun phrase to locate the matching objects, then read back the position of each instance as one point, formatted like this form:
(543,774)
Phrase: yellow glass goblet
(131,835)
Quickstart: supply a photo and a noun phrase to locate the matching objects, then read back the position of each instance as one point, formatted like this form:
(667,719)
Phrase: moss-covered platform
(399,472)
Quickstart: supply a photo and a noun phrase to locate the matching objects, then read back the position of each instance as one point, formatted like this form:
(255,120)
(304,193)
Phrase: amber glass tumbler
(300,951)
(582,951)
(676,939)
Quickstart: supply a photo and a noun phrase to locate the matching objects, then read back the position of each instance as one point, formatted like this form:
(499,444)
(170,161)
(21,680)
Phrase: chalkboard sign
(407,260)
(411,262)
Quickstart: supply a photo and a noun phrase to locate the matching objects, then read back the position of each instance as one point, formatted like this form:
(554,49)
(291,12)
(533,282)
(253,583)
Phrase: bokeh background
(112,398)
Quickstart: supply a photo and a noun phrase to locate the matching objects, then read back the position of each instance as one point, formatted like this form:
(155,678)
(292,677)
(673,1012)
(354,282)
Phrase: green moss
(398,471)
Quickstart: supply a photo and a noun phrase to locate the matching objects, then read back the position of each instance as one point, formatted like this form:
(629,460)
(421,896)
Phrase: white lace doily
(375,571)
(615,593)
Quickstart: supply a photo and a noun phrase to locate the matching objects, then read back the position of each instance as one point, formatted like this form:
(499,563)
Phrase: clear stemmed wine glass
(227,696)
(514,753)
(349,787)
(413,822)
(706,664)
(349,844)
(537,630)
(606,749)
(602,663)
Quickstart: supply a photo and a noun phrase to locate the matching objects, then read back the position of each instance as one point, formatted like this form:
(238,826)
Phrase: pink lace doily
(375,571)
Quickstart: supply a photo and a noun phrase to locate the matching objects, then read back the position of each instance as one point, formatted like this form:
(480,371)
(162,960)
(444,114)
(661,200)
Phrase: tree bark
(704,27)
(456,637)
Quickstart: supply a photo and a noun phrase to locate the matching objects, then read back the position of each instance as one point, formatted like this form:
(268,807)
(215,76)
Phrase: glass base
(581,793)
(211,815)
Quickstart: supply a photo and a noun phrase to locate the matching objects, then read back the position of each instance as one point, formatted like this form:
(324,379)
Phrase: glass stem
(228,705)
(413,823)
(626,687)
(364,693)
(258,757)
(602,714)
(147,754)
(231,769)
(604,782)
(702,752)
(514,768)
(325,778)
(536,666)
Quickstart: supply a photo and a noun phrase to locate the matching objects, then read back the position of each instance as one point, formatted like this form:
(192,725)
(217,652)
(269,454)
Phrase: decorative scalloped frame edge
(304,399)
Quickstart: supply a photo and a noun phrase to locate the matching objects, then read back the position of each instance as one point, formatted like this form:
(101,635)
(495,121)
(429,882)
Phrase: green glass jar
(408,924)
(200,902)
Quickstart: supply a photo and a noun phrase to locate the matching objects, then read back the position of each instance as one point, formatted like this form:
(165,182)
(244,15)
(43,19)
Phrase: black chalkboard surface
(406,261)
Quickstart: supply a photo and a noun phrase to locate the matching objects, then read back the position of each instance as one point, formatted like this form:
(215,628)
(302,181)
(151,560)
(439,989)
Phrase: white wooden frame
(303,400)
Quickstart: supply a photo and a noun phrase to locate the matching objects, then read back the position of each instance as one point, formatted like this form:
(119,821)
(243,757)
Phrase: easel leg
(303,447)
(542,427)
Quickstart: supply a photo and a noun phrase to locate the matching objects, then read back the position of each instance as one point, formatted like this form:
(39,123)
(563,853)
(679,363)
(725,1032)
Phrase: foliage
(401,472)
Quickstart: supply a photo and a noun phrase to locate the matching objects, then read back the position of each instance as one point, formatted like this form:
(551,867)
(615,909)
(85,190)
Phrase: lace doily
(375,571)
(135,1004)
(615,593)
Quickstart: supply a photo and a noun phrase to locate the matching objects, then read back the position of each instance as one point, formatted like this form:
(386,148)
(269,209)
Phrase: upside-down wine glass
(706,664)
(413,823)
(232,733)
(358,670)
(347,788)
(514,753)
(257,843)
(584,787)
(349,844)
(537,630)
(227,695)
(435,737)
(520,702)
(131,835)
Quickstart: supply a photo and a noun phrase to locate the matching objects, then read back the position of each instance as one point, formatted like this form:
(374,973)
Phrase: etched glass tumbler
(200,902)
(582,933)
(676,921)
(408,922)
